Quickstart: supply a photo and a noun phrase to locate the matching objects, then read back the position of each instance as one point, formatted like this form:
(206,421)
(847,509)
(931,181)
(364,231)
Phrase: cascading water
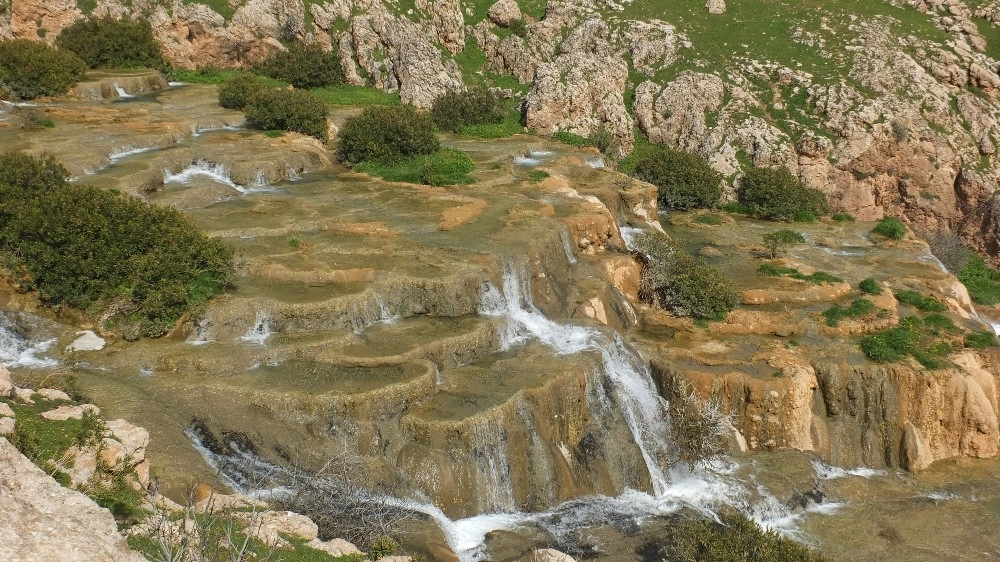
(492,460)
(201,332)
(260,331)
(218,173)
(121,92)
(16,350)
(567,247)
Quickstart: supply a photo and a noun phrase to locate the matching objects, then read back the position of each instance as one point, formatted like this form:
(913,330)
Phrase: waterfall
(201,335)
(119,154)
(121,92)
(567,247)
(491,458)
(260,331)
(216,172)
(16,350)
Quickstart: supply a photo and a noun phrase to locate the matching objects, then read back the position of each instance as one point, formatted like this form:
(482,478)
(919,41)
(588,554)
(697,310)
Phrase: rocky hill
(888,107)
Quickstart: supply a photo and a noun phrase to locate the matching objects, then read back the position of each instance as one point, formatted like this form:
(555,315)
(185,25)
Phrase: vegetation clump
(858,309)
(386,135)
(870,286)
(288,110)
(981,340)
(674,280)
(842,217)
(305,65)
(914,337)
(444,167)
(778,240)
(709,219)
(97,250)
(114,43)
(237,91)
(891,228)
(920,302)
(982,281)
(31,69)
(475,106)
(775,194)
(683,180)
(818,277)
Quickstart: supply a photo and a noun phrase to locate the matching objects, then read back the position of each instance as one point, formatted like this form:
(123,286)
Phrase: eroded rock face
(46,521)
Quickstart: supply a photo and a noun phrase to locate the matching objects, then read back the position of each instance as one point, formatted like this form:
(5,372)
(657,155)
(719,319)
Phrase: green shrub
(870,286)
(92,248)
(571,139)
(380,547)
(842,217)
(474,106)
(683,180)
(818,277)
(111,43)
(708,219)
(537,175)
(386,135)
(912,337)
(775,194)
(518,27)
(858,308)
(677,281)
(287,110)
(982,281)
(778,240)
(305,65)
(981,340)
(890,227)
(605,141)
(920,302)
(237,91)
(31,69)
(444,167)
(735,538)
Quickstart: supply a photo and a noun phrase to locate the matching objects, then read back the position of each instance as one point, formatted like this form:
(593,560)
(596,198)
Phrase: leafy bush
(237,91)
(537,175)
(93,249)
(444,167)
(858,308)
(981,340)
(677,281)
(31,69)
(380,547)
(605,141)
(818,277)
(778,240)
(518,27)
(711,220)
(32,119)
(870,286)
(474,106)
(982,281)
(305,65)
(920,302)
(842,217)
(735,538)
(890,227)
(912,337)
(683,180)
(287,110)
(111,43)
(775,194)
(386,135)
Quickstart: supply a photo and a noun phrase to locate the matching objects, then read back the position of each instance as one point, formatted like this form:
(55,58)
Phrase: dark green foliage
(735,539)
(444,167)
(912,337)
(42,440)
(677,281)
(708,219)
(288,110)
(858,308)
(842,217)
(982,281)
(89,247)
(305,65)
(380,547)
(890,227)
(31,69)
(602,139)
(571,139)
(537,175)
(920,302)
(778,240)
(981,340)
(518,27)
(683,180)
(475,106)
(124,503)
(110,43)
(775,194)
(818,277)
(386,135)
(237,91)
(870,286)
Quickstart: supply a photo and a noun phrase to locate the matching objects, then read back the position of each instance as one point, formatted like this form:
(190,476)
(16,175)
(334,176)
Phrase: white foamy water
(629,234)
(17,351)
(119,154)
(827,472)
(217,173)
(533,158)
(567,247)
(931,258)
(121,92)
(201,334)
(176,84)
(260,331)
(596,163)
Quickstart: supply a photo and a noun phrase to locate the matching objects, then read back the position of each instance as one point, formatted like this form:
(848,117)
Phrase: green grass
(708,219)
(510,126)
(981,340)
(42,440)
(891,228)
(858,308)
(870,286)
(208,75)
(920,302)
(818,277)
(444,167)
(355,95)
(537,175)
(842,217)
(982,281)
(912,337)
(572,139)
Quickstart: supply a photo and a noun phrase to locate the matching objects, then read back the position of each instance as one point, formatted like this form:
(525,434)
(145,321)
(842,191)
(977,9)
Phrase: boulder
(6,385)
(504,12)
(6,426)
(546,555)
(335,547)
(63,413)
(6,410)
(24,395)
(134,439)
(716,6)
(271,523)
(53,394)
(86,341)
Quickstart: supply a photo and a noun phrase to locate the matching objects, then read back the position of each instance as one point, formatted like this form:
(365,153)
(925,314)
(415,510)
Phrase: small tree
(30,69)
(775,194)
(683,180)
(288,110)
(305,65)
(475,106)
(386,135)
(114,43)
(237,92)
(779,240)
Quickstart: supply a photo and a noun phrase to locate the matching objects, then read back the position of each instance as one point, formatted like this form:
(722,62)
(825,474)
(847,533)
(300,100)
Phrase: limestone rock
(53,394)
(594,309)
(134,439)
(504,12)
(45,521)
(6,410)
(334,547)
(6,426)
(676,114)
(271,523)
(916,454)
(63,413)
(447,22)
(652,44)
(6,385)
(87,341)
(716,6)
(24,395)
(546,555)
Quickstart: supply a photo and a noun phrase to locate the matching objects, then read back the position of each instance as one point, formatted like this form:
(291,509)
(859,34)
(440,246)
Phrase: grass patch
(858,308)
(42,440)
(891,228)
(708,219)
(355,95)
(982,281)
(913,337)
(511,125)
(818,277)
(842,217)
(870,286)
(447,166)
(920,302)
(537,175)
(981,340)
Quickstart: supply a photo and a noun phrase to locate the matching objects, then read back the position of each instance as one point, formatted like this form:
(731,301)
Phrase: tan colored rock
(24,395)
(594,309)
(546,555)
(53,394)
(63,413)
(504,11)
(447,21)
(6,426)
(624,272)
(676,114)
(652,44)
(271,523)
(6,385)
(826,292)
(6,410)
(45,521)
(134,439)
(395,559)
(917,457)
(716,6)
(335,547)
